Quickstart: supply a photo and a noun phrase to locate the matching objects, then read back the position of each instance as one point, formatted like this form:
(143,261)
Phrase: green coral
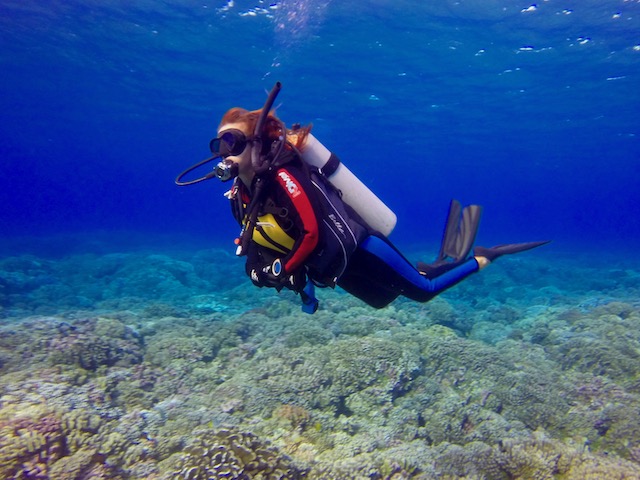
(604,342)
(186,342)
(326,376)
(165,348)
(358,363)
(307,334)
(535,457)
(92,343)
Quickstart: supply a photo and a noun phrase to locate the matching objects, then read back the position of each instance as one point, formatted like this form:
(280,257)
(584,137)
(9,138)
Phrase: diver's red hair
(271,128)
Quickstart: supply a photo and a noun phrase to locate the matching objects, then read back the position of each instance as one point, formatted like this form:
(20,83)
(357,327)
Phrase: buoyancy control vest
(340,228)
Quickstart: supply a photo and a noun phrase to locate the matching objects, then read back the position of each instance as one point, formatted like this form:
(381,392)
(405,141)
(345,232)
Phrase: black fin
(499,250)
(460,231)
(459,234)
(468,230)
(448,245)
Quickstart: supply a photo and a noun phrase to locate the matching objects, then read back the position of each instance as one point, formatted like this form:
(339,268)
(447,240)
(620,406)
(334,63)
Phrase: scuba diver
(307,221)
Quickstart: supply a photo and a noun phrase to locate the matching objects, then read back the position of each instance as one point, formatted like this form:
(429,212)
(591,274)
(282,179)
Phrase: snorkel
(260,162)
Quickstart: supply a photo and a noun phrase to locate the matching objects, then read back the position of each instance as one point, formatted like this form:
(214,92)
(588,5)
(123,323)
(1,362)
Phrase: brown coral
(41,444)
(297,417)
(30,445)
(234,455)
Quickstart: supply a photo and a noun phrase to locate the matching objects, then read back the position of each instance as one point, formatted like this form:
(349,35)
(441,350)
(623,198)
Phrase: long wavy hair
(297,136)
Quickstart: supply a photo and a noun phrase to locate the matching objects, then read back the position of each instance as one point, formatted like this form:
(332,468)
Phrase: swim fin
(460,232)
(451,228)
(494,252)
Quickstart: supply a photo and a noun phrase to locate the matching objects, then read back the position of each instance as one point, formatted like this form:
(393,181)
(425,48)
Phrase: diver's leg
(436,285)
(380,273)
(367,278)
(482,257)
(405,280)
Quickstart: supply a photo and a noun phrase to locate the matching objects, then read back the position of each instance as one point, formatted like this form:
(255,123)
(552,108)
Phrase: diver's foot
(482,262)
(494,252)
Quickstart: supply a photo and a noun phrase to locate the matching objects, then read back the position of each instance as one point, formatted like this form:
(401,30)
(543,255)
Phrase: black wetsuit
(374,271)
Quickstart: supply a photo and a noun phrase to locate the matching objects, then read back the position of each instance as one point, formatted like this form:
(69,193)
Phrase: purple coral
(30,446)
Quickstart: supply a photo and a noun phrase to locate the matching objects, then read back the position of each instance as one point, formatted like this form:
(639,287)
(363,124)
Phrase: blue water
(132,344)
(531,111)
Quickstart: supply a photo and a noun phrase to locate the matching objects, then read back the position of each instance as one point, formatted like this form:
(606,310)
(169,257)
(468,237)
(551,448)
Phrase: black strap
(270,240)
(237,205)
(271,207)
(331,166)
(252,214)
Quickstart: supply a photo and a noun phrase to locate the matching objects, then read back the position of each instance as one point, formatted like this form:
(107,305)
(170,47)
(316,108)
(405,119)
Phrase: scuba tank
(354,193)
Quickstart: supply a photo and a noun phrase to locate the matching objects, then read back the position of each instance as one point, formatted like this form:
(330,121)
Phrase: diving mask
(230,142)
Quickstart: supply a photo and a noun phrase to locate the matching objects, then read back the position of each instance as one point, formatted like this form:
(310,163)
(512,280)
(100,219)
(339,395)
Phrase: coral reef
(38,443)
(535,457)
(94,343)
(146,366)
(228,454)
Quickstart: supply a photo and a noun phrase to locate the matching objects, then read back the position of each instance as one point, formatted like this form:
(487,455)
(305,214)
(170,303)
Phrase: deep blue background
(533,114)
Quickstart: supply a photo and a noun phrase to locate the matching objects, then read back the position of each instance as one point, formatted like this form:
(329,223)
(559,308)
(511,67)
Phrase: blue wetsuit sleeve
(410,282)
(451,277)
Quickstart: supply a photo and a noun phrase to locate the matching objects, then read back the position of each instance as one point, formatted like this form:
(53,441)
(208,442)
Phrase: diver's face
(243,157)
